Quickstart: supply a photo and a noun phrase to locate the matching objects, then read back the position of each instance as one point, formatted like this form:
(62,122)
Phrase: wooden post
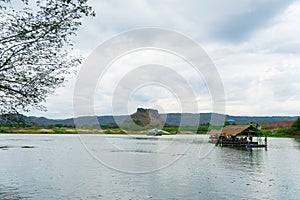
(266,141)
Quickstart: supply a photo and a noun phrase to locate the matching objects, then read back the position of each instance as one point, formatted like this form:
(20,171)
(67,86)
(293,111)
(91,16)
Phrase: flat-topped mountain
(145,118)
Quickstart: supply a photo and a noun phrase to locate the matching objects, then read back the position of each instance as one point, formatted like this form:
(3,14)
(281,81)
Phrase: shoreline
(142,133)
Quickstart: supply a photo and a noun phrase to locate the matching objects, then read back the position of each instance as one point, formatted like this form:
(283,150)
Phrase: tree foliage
(34,49)
(296,124)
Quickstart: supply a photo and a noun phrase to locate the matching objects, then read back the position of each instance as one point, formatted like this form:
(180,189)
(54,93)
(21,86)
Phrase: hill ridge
(170,118)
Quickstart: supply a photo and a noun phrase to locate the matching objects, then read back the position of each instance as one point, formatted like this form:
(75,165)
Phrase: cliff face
(145,118)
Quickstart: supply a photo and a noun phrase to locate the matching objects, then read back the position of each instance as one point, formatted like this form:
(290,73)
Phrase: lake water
(143,167)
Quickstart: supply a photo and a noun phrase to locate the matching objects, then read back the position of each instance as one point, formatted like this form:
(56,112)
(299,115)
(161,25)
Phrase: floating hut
(248,136)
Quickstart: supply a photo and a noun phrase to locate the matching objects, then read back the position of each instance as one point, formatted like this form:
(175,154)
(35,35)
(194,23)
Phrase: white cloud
(261,74)
(254,44)
(150,78)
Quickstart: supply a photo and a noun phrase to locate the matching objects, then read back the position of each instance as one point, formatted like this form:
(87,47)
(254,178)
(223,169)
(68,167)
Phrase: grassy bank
(97,130)
(186,129)
(287,132)
(282,132)
(60,130)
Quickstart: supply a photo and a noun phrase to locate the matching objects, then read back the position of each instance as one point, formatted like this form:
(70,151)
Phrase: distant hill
(169,118)
(204,118)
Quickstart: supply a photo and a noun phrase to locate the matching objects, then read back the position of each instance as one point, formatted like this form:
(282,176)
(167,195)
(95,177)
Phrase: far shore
(73,131)
(83,131)
(278,130)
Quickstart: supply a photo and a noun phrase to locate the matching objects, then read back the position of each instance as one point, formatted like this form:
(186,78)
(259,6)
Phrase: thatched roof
(233,130)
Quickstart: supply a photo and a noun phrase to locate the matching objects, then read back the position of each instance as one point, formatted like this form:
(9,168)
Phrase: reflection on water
(9,192)
(59,167)
(297,143)
(297,139)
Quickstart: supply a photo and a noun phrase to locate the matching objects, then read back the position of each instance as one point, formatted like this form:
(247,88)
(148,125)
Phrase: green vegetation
(104,129)
(293,131)
(59,130)
(138,122)
(281,132)
(173,129)
(296,124)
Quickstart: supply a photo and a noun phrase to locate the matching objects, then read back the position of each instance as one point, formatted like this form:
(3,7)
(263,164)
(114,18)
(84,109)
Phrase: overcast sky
(254,44)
